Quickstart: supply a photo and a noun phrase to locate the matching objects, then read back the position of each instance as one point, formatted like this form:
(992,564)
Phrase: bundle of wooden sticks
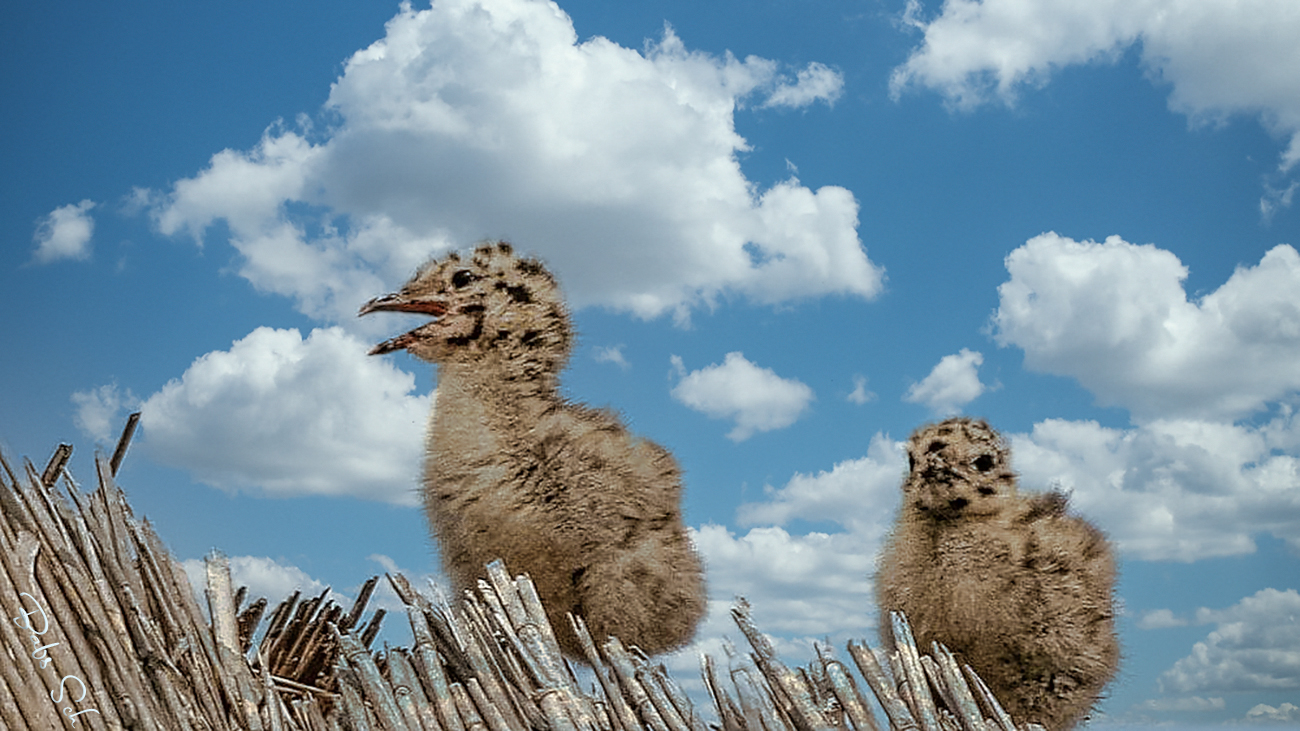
(103,631)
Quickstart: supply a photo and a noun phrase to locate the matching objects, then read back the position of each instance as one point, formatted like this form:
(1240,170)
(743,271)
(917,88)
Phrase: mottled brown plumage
(555,489)
(1014,584)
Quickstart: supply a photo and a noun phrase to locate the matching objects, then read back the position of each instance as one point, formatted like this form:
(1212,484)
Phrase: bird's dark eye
(984,463)
(461,278)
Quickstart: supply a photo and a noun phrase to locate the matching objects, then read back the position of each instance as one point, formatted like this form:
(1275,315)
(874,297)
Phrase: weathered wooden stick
(756,701)
(56,464)
(792,695)
(846,692)
(964,702)
(473,721)
(225,630)
(537,618)
(918,686)
(672,718)
(415,707)
(124,441)
(351,701)
(621,711)
(900,716)
(625,671)
(483,670)
(373,688)
(678,698)
(24,675)
(495,719)
(728,712)
(999,715)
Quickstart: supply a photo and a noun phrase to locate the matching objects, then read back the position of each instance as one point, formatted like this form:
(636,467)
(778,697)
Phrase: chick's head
(958,468)
(493,304)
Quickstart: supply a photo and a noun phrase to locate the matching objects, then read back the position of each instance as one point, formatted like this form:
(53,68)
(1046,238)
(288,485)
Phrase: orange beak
(397,303)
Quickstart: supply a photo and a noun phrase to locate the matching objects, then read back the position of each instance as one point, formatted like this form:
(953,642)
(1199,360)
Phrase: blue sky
(792,233)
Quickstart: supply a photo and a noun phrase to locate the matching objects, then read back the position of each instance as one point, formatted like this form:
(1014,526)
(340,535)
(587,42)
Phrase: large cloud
(1115,317)
(851,494)
(756,398)
(1193,478)
(1220,57)
(292,416)
(804,586)
(1255,646)
(479,118)
(1171,490)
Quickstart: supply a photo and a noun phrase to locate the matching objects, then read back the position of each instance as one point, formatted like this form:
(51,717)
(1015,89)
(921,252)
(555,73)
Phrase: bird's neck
(499,384)
(480,408)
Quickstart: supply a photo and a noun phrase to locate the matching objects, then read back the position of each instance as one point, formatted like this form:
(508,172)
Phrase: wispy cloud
(611,354)
(1160,619)
(99,410)
(65,233)
(860,395)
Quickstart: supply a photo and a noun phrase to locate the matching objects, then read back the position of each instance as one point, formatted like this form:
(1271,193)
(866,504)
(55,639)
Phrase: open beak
(397,303)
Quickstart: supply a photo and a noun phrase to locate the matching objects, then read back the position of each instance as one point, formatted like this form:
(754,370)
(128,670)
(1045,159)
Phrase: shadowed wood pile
(102,631)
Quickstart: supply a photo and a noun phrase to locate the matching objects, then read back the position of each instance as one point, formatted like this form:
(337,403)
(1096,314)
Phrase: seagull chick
(515,472)
(1015,585)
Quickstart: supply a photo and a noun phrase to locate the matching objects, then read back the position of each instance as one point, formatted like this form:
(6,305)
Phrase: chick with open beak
(514,471)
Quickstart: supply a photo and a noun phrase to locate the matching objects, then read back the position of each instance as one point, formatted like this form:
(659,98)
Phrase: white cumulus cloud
(953,383)
(1255,646)
(1178,490)
(803,586)
(1218,57)
(478,118)
(755,398)
(65,233)
(1285,713)
(1115,317)
(292,416)
(1200,472)
(850,494)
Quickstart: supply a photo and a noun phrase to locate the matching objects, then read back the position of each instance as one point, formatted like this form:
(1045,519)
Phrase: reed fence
(101,630)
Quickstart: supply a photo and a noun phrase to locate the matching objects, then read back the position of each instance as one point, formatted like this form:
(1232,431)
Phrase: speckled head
(958,468)
(494,303)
